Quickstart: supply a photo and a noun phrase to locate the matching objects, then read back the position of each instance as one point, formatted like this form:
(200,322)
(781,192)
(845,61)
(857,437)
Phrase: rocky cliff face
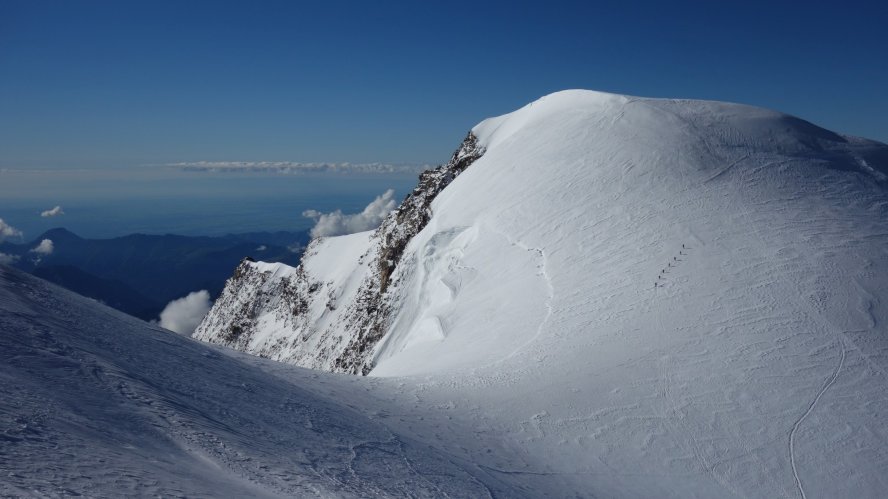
(330,311)
(370,314)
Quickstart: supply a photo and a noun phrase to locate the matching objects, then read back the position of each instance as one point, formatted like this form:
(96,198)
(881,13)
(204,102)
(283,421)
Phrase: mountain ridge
(751,130)
(367,306)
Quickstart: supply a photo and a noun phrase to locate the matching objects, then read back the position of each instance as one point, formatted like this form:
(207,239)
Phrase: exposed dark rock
(369,319)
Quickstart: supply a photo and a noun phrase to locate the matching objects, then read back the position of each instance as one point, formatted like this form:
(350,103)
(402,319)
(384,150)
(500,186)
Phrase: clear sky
(126,83)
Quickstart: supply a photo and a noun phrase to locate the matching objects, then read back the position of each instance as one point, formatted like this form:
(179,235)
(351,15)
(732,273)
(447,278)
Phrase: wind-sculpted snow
(629,297)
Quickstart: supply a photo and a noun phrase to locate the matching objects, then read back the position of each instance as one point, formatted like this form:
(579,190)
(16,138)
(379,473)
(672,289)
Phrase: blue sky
(87,84)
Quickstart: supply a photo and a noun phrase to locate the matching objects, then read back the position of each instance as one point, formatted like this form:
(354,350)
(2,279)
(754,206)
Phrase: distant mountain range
(139,273)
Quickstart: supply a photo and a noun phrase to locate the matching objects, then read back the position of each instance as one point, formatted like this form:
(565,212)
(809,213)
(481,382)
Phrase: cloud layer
(44,248)
(7,259)
(54,212)
(337,223)
(184,314)
(296,167)
(7,230)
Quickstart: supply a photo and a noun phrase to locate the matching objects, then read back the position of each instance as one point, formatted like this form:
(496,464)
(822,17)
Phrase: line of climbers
(669,265)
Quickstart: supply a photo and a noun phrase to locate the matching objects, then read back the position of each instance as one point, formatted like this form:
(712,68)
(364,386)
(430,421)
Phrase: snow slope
(96,403)
(756,367)
(527,308)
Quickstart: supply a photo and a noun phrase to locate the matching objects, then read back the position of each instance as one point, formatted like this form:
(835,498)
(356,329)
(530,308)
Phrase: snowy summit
(598,295)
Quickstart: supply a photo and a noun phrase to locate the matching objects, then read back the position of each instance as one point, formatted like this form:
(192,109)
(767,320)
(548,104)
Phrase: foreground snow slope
(95,403)
(757,366)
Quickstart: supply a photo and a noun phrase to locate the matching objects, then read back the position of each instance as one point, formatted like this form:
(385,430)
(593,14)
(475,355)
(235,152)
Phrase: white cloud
(44,248)
(6,259)
(7,230)
(53,212)
(262,248)
(338,223)
(288,167)
(183,315)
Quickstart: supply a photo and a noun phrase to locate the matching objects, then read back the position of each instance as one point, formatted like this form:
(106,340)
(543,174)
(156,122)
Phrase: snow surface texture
(621,297)
(96,403)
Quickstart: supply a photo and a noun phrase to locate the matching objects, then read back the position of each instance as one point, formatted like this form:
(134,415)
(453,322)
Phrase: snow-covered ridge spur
(315,316)
(562,155)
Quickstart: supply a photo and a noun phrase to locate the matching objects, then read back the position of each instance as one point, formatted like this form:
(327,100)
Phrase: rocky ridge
(301,316)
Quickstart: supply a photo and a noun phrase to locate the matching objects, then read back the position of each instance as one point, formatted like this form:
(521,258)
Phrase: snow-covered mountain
(649,297)
(568,174)
(598,296)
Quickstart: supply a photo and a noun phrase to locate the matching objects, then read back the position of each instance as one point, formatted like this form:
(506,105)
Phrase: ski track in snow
(542,271)
(795,428)
(726,168)
(814,314)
